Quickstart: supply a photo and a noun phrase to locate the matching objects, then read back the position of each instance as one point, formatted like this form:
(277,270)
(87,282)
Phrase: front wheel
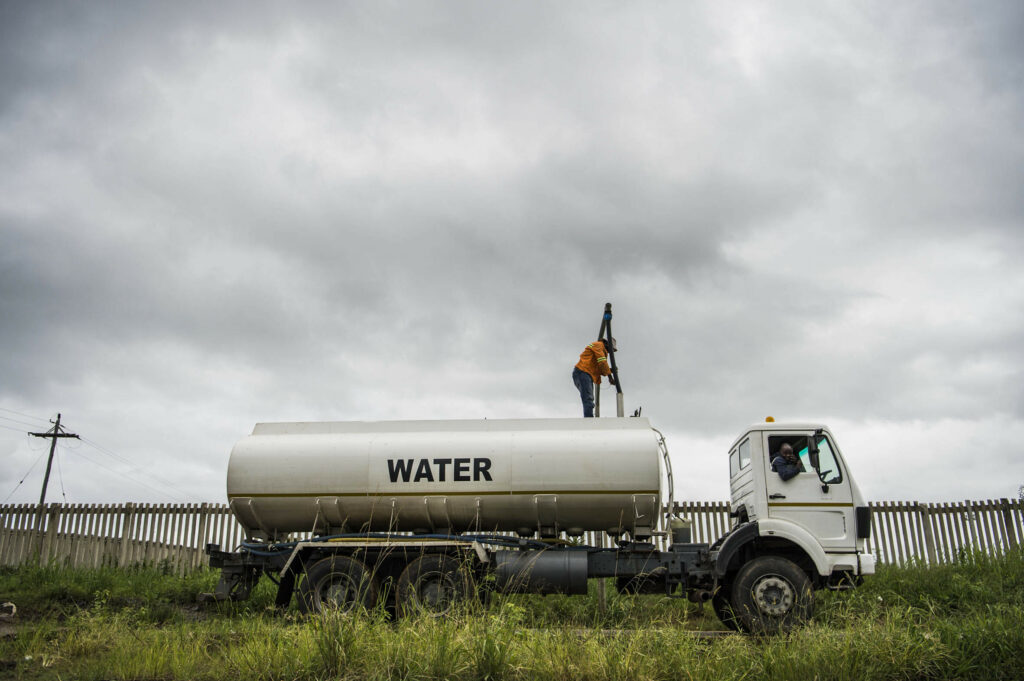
(723,608)
(771,594)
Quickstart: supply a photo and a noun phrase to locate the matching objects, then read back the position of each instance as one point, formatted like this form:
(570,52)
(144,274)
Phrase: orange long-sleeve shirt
(594,360)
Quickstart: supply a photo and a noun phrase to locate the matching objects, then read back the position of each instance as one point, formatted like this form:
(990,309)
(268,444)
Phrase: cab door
(819,498)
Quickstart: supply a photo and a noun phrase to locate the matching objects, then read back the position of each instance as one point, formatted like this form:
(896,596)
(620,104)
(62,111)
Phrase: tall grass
(42,590)
(963,621)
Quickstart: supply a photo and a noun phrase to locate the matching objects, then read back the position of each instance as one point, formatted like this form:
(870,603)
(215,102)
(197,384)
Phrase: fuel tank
(531,476)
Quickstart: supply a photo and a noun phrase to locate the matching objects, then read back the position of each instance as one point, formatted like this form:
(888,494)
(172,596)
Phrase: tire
(337,583)
(720,603)
(433,585)
(771,594)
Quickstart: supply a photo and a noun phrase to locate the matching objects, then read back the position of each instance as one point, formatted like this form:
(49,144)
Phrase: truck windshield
(828,464)
(828,467)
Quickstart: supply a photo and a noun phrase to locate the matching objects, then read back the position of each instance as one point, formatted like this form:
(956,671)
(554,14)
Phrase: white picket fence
(94,535)
(903,531)
(174,535)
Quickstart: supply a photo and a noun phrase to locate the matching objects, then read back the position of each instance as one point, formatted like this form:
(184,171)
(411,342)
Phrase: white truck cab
(819,513)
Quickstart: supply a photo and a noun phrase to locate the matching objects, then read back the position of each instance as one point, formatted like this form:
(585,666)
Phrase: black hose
(495,540)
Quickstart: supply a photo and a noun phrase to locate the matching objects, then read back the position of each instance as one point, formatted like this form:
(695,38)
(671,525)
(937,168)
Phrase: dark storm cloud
(418,210)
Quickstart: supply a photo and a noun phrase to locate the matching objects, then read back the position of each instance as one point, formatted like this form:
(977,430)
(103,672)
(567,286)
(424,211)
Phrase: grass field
(960,621)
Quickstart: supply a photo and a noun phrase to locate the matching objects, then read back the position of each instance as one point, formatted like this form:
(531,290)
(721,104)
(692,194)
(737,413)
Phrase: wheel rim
(436,592)
(774,595)
(338,592)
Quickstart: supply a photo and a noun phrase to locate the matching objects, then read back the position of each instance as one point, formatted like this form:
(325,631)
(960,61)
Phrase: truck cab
(820,510)
(791,534)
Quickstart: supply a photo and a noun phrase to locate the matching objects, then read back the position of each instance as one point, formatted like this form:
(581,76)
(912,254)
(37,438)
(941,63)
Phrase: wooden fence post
(972,517)
(1011,529)
(13,547)
(127,529)
(1016,519)
(201,532)
(926,527)
(8,529)
(50,540)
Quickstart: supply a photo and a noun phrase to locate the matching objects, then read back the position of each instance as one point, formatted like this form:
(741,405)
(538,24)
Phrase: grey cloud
(417,210)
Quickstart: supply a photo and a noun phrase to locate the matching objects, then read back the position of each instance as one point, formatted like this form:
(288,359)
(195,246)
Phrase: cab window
(828,466)
(739,458)
(744,453)
(797,442)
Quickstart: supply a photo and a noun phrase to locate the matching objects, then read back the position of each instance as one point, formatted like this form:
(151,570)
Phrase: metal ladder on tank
(606,333)
(669,507)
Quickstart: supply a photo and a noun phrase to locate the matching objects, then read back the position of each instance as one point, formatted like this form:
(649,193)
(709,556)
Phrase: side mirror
(812,454)
(812,449)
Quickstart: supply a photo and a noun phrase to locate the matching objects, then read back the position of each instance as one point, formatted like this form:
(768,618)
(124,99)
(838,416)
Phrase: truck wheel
(433,585)
(771,594)
(723,608)
(337,583)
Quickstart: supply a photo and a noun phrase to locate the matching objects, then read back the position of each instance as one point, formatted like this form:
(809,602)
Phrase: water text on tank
(431,470)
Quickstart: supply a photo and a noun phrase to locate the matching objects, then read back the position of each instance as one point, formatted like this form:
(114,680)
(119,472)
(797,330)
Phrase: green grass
(958,621)
(53,589)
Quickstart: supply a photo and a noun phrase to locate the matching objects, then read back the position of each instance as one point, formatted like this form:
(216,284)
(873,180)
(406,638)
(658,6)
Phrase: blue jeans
(585,384)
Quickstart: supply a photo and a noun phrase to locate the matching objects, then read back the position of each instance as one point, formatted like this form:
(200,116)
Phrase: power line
(60,477)
(135,469)
(28,416)
(126,476)
(104,450)
(24,477)
(132,468)
(17,430)
(19,422)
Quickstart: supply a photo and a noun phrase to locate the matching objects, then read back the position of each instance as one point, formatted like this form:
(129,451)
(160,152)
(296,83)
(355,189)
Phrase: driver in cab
(786,463)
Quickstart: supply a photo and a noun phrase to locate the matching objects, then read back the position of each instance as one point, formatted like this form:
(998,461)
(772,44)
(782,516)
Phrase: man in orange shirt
(592,366)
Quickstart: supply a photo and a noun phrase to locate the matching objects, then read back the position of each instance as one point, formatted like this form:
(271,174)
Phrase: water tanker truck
(418,515)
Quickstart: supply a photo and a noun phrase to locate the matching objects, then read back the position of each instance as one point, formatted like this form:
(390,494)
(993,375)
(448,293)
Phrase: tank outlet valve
(699,596)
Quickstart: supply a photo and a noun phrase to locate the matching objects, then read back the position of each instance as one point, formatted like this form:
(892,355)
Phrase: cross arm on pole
(53,434)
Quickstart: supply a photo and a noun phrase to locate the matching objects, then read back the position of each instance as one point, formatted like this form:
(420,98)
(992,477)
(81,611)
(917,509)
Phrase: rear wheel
(771,594)
(433,585)
(337,583)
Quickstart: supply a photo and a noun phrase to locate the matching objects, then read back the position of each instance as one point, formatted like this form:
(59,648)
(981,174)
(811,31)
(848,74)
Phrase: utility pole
(53,434)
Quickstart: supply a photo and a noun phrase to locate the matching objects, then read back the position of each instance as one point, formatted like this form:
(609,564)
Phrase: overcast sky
(213,216)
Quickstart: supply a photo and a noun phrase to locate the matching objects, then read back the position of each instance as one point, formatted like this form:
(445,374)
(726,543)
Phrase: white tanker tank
(527,476)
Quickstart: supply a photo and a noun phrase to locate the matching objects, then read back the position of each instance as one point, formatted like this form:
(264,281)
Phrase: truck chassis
(752,586)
